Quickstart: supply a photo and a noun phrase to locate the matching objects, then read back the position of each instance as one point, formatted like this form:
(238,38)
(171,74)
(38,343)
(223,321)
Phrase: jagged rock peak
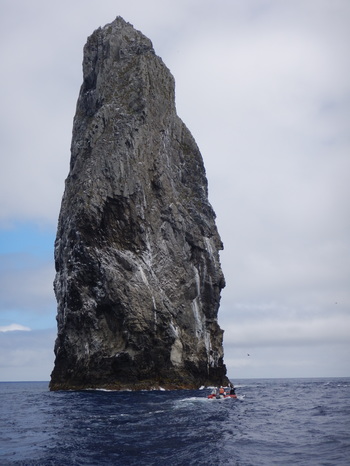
(138,276)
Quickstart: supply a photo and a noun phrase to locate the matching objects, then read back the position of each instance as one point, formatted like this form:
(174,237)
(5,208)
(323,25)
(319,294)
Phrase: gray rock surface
(138,274)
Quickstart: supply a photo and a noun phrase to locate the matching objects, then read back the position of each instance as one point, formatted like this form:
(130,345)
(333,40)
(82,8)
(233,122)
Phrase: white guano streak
(200,327)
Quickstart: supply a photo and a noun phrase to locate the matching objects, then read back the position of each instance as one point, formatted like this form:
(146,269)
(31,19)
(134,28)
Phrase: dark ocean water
(274,422)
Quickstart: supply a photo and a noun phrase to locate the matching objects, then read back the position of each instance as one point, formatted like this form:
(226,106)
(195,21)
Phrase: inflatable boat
(220,397)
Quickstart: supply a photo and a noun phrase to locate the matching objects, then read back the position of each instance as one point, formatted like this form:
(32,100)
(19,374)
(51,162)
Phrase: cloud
(290,361)
(272,331)
(13,328)
(26,356)
(26,287)
(26,282)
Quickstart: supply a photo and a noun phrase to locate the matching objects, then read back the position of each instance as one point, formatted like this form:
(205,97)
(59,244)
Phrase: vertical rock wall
(138,274)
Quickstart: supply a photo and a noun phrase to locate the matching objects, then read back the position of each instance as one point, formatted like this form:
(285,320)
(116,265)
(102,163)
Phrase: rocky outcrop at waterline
(138,274)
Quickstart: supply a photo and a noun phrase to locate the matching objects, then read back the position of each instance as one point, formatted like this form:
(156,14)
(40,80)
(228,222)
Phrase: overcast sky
(264,87)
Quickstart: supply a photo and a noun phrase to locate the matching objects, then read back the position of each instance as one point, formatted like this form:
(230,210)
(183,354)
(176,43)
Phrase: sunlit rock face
(138,274)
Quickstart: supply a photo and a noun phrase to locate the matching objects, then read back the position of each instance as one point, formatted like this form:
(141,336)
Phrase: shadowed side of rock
(138,277)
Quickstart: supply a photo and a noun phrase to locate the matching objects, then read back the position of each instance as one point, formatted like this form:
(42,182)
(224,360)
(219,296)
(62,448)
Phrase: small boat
(220,397)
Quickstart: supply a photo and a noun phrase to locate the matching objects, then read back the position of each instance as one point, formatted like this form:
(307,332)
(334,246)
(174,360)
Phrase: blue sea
(273,422)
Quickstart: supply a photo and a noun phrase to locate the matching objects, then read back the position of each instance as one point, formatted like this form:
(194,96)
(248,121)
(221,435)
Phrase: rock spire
(138,274)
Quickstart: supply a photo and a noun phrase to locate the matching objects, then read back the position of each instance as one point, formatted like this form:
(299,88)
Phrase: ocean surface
(273,422)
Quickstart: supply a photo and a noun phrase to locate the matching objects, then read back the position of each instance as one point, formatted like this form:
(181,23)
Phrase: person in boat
(219,392)
(232,389)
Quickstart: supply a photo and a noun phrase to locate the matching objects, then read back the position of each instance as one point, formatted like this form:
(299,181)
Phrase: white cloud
(13,328)
(274,331)
(26,356)
(26,283)
(288,361)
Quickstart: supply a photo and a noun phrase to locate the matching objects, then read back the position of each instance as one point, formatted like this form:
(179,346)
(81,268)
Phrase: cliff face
(138,274)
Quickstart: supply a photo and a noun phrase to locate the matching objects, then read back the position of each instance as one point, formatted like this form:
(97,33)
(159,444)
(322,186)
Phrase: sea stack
(138,277)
